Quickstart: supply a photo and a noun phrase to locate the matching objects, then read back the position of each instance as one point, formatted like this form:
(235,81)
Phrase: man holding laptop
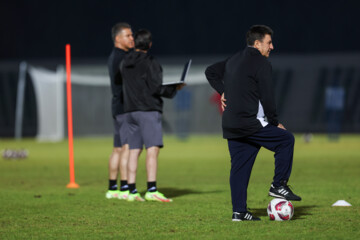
(143,89)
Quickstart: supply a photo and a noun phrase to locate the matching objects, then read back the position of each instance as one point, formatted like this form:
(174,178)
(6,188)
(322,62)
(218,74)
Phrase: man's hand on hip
(223,100)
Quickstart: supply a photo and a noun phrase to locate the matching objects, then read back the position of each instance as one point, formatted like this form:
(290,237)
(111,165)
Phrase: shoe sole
(116,197)
(112,197)
(239,220)
(157,200)
(123,197)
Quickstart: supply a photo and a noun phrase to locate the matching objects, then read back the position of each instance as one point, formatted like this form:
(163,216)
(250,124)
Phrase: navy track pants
(243,152)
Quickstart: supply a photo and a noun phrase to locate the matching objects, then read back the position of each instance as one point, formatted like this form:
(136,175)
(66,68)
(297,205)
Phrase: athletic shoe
(156,196)
(112,194)
(283,192)
(244,216)
(123,194)
(135,197)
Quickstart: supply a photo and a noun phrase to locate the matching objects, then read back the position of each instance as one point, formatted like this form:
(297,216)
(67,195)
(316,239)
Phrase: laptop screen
(185,71)
(183,75)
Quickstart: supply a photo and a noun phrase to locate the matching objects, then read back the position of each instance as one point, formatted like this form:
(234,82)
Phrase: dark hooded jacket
(142,83)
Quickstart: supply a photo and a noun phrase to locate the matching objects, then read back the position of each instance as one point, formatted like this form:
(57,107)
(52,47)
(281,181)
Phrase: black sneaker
(283,192)
(244,216)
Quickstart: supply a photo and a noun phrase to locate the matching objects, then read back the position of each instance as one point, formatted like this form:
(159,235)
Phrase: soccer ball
(280,210)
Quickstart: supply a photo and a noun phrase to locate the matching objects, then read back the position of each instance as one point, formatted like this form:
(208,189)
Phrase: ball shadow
(302,211)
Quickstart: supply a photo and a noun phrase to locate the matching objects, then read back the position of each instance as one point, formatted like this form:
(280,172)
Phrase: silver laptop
(183,75)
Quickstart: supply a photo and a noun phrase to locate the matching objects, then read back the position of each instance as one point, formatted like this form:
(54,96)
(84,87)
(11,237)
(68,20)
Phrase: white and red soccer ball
(280,210)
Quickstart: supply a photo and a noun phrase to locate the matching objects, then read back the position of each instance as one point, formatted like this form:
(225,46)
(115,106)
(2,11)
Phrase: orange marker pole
(72,183)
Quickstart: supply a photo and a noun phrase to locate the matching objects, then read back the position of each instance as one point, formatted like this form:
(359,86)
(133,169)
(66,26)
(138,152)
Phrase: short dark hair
(142,39)
(117,28)
(257,32)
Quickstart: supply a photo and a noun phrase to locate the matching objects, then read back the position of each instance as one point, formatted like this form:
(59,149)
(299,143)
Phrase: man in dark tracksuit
(143,89)
(123,42)
(250,119)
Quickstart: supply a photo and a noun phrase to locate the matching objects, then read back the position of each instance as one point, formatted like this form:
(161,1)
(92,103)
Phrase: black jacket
(142,83)
(114,60)
(246,80)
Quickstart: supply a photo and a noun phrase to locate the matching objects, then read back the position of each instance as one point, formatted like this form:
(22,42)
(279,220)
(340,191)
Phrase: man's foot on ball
(244,216)
(284,192)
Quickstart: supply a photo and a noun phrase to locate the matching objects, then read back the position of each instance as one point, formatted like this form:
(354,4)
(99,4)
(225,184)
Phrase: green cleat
(123,194)
(156,196)
(117,194)
(112,194)
(135,197)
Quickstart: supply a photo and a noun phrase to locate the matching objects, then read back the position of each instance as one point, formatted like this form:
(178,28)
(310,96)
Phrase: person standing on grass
(250,120)
(123,42)
(143,89)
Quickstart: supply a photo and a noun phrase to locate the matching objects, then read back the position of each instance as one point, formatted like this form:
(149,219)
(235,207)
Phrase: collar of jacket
(251,50)
(120,50)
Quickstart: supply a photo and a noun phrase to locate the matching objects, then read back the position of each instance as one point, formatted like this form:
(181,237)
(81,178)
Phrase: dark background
(40,29)
(37,31)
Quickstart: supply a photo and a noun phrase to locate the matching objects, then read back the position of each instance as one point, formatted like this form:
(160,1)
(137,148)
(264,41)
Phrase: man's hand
(223,100)
(180,86)
(281,126)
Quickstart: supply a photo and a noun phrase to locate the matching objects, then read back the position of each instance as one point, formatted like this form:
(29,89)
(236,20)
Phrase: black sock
(151,186)
(123,185)
(132,188)
(112,184)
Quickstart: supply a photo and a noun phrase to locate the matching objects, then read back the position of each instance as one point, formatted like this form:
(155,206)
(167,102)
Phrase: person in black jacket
(249,120)
(123,42)
(143,89)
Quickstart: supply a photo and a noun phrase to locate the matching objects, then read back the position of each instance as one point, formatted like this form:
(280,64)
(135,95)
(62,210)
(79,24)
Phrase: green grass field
(35,204)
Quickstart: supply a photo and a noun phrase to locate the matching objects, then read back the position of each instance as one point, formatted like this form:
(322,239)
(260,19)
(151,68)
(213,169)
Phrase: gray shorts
(145,128)
(121,130)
